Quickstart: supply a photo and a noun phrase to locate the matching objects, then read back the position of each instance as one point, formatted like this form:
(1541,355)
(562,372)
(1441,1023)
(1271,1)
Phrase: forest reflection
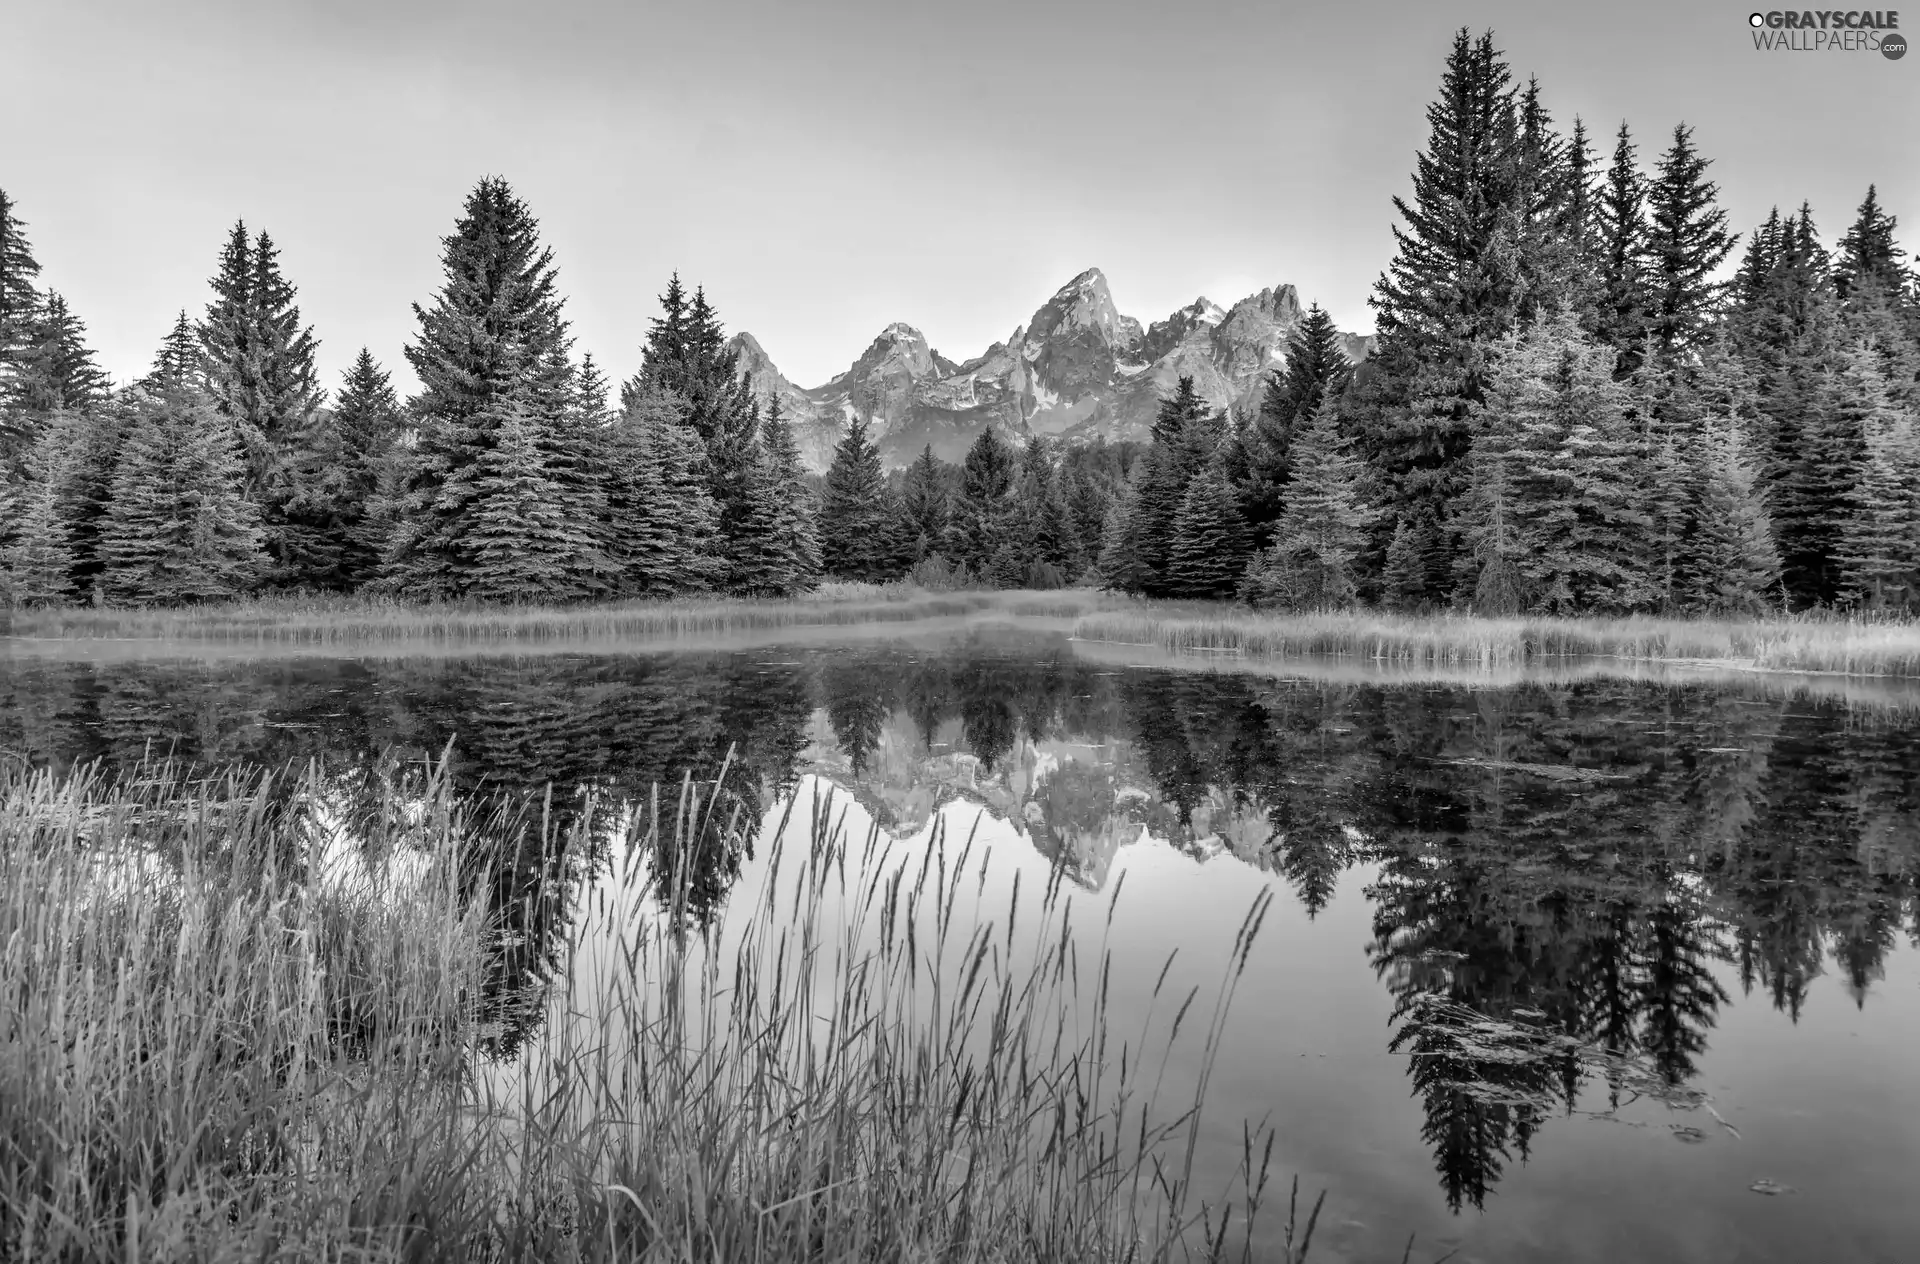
(1559,876)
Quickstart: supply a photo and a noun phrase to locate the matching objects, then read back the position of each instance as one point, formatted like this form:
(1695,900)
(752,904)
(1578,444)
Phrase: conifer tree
(331,528)
(1038,547)
(796,533)
(1208,552)
(1090,499)
(1119,566)
(1686,242)
(1869,255)
(1316,369)
(1406,577)
(856,511)
(90,454)
(179,364)
(686,353)
(1625,298)
(1821,403)
(1877,545)
(19,310)
(38,561)
(922,528)
(1757,262)
(664,532)
(1453,290)
(1690,406)
(226,332)
(523,536)
(179,526)
(1186,438)
(1313,561)
(1492,581)
(1738,567)
(979,511)
(58,370)
(259,363)
(1545,222)
(494,332)
(571,444)
(775,552)
(1056,538)
(1558,423)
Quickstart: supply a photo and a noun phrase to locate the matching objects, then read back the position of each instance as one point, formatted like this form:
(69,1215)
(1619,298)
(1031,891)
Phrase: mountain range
(1077,370)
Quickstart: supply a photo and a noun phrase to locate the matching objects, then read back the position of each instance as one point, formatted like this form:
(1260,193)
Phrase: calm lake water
(1559,970)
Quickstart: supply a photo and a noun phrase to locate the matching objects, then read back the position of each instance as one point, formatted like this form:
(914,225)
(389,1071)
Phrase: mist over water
(1544,952)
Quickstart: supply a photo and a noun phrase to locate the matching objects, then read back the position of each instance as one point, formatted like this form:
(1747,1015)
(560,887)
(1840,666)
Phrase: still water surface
(1560,970)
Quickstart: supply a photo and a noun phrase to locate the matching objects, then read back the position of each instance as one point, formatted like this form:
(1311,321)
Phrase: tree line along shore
(1571,410)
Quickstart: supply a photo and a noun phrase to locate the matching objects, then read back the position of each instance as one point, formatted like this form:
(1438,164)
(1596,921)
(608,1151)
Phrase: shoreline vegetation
(359,620)
(1801,644)
(233,1027)
(1458,645)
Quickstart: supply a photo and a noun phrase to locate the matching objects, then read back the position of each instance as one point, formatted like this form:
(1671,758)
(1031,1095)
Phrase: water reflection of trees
(1550,942)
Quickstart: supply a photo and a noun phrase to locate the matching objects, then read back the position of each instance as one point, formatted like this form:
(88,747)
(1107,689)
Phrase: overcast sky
(824,169)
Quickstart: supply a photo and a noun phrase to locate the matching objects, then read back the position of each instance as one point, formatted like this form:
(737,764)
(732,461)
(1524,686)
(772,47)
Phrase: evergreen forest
(1587,394)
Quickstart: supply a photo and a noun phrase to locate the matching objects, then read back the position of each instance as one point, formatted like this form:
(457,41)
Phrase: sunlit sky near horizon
(825,169)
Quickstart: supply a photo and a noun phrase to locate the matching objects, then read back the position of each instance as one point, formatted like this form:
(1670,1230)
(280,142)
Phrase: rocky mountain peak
(1077,369)
(1082,303)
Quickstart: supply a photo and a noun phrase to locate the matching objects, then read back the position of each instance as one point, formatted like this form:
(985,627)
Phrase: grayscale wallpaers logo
(1829,31)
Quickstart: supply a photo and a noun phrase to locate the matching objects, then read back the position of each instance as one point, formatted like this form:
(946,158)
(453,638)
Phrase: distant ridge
(1077,369)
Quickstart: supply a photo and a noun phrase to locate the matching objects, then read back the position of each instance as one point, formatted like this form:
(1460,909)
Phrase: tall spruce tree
(1038,547)
(179,364)
(260,364)
(91,455)
(686,353)
(796,534)
(523,536)
(856,511)
(1877,541)
(1567,452)
(58,370)
(1118,564)
(1316,369)
(922,527)
(1686,243)
(38,553)
(1208,552)
(19,313)
(1186,437)
(1680,410)
(776,553)
(179,527)
(1625,299)
(1736,562)
(1451,292)
(1869,255)
(494,333)
(1821,402)
(1545,219)
(331,526)
(980,510)
(1313,560)
(664,528)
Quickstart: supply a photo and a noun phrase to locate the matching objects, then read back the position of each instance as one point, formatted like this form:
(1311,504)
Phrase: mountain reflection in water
(1568,884)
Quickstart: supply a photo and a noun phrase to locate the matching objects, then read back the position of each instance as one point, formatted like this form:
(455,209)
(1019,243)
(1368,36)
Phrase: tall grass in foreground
(218,1042)
(355,620)
(1790,643)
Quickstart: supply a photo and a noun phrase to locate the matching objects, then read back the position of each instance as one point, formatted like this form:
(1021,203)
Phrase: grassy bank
(228,1031)
(348,621)
(1794,644)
